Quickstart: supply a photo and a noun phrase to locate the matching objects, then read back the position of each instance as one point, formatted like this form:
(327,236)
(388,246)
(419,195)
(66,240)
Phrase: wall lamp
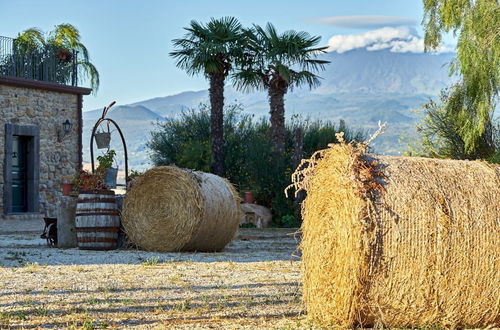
(67,126)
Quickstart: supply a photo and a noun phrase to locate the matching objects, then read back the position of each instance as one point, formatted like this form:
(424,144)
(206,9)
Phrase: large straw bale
(173,209)
(400,241)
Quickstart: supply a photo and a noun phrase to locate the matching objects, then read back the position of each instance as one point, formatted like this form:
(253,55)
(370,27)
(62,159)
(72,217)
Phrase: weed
(20,315)
(127,301)
(41,311)
(92,301)
(151,261)
(184,306)
(4,319)
(102,325)
(88,324)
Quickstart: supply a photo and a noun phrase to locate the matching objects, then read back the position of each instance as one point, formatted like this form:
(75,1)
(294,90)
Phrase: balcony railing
(47,63)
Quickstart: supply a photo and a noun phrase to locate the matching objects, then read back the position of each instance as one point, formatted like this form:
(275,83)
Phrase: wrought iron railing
(43,63)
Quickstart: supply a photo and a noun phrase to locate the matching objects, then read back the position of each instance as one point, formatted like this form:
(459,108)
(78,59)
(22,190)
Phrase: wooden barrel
(97,221)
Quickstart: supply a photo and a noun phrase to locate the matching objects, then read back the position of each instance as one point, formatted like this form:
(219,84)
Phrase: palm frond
(30,39)
(65,35)
(248,80)
(209,48)
(90,72)
(290,57)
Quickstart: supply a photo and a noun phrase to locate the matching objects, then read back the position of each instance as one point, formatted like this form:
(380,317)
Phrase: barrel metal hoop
(117,213)
(98,200)
(97,229)
(98,192)
(96,240)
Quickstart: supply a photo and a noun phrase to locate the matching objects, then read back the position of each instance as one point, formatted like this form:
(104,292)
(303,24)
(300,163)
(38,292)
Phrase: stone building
(40,147)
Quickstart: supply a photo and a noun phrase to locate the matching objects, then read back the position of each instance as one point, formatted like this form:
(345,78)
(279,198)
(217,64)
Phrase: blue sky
(129,41)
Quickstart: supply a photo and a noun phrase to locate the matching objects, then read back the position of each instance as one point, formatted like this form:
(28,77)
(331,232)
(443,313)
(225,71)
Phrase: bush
(249,161)
(442,135)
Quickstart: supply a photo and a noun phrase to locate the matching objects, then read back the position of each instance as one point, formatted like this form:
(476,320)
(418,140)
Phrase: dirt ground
(252,284)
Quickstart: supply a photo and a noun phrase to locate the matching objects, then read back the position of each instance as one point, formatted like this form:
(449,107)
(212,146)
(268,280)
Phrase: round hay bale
(400,241)
(173,209)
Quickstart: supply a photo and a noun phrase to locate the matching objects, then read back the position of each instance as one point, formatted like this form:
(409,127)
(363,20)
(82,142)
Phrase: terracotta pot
(67,188)
(249,197)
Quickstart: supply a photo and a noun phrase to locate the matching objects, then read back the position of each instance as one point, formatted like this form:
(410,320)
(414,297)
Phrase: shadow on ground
(251,245)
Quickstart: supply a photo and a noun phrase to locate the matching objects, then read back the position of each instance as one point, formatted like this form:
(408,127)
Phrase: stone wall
(59,153)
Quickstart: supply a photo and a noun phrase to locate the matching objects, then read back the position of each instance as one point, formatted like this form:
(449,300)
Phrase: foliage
(106,160)
(495,158)
(249,160)
(287,221)
(278,62)
(134,174)
(211,49)
(61,42)
(472,101)
(441,138)
(84,180)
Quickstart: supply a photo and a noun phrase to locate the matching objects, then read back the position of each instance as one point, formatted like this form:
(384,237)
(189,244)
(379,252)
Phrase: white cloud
(364,21)
(399,40)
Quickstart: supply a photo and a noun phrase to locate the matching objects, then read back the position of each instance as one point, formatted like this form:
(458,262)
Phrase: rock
(259,215)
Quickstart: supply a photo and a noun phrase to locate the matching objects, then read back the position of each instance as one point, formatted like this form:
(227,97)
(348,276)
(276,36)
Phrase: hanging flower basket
(102,140)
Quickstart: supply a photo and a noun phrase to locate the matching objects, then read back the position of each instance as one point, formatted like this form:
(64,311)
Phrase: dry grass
(181,291)
(172,209)
(398,241)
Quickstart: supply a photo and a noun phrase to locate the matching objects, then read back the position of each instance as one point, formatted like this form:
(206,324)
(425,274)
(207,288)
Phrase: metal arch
(101,120)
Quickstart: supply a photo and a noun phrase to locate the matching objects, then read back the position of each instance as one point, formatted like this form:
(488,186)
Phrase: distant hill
(125,112)
(173,104)
(359,86)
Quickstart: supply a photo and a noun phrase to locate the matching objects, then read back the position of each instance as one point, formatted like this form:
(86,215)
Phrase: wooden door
(19,174)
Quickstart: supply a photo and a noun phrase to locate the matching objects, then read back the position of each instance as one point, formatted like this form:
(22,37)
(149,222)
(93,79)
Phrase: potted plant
(64,55)
(66,185)
(105,167)
(89,182)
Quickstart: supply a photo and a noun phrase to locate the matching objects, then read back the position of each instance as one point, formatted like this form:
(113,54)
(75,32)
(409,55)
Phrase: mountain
(384,72)
(359,86)
(125,112)
(173,104)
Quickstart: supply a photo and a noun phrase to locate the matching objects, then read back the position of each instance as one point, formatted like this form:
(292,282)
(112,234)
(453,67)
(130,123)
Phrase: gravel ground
(252,284)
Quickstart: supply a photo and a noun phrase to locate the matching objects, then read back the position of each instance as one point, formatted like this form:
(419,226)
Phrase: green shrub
(249,161)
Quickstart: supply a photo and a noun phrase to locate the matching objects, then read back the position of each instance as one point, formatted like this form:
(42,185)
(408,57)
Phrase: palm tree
(211,49)
(277,63)
(65,41)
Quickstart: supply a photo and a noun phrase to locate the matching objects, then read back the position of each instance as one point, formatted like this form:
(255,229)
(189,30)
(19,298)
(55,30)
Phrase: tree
(211,49)
(472,101)
(277,63)
(249,160)
(440,134)
(64,39)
